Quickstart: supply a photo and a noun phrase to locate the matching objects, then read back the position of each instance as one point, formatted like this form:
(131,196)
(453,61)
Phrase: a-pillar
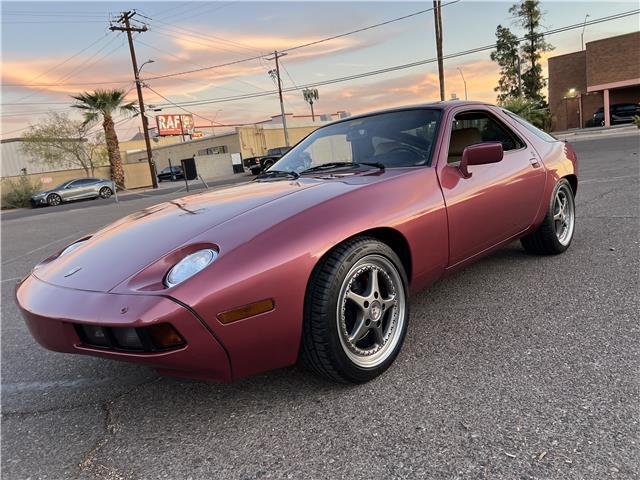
(607,113)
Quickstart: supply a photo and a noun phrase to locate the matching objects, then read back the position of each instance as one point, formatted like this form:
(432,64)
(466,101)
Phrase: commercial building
(605,73)
(227,148)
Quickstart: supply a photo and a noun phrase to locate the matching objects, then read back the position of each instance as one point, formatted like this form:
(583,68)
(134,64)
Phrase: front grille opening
(155,338)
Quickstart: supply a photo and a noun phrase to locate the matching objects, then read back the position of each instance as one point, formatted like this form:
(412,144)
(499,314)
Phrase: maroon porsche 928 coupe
(316,258)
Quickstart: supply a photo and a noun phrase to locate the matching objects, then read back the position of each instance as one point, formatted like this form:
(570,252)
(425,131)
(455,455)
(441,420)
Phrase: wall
(213,166)
(613,59)
(14,159)
(180,151)
(135,176)
(566,72)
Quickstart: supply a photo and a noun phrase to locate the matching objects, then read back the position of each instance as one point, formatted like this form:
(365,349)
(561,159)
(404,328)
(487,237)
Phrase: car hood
(125,247)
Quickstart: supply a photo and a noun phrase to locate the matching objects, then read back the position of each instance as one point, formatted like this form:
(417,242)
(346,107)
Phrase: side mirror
(480,154)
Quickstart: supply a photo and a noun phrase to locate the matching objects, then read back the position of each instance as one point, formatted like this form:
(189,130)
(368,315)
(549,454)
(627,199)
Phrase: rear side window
(533,129)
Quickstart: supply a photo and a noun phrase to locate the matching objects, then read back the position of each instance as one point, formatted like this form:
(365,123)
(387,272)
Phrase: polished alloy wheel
(105,192)
(54,200)
(563,215)
(371,311)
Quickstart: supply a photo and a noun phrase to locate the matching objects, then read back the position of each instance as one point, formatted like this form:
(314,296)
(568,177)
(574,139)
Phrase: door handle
(534,162)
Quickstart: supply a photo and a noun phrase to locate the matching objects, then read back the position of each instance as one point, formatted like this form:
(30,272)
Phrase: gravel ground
(516,367)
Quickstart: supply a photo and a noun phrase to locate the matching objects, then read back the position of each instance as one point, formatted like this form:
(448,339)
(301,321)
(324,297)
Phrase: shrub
(636,121)
(17,193)
(530,111)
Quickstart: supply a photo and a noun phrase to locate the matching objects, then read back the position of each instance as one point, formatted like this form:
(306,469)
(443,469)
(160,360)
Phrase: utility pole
(437,14)
(276,56)
(124,19)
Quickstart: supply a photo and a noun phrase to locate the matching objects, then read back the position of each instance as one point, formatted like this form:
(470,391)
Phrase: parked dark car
(259,164)
(77,189)
(620,113)
(171,173)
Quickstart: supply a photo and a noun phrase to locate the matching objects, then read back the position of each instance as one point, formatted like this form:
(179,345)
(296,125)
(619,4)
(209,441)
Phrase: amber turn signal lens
(246,311)
(163,335)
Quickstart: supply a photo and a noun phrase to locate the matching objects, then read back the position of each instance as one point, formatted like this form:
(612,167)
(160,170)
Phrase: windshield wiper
(278,173)
(331,165)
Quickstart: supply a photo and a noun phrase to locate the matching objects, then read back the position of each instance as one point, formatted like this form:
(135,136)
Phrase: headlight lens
(189,266)
(72,247)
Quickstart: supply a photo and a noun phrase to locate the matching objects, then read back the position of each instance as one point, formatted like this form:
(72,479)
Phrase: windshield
(395,139)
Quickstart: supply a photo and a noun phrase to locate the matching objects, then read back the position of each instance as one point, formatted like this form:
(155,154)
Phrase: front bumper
(51,313)
(38,201)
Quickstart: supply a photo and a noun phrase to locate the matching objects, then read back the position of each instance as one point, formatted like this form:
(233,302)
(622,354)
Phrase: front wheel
(54,200)
(105,192)
(356,312)
(555,233)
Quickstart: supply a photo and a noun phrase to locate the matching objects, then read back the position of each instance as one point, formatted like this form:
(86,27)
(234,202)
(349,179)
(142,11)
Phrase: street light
(584,25)
(148,61)
(465,83)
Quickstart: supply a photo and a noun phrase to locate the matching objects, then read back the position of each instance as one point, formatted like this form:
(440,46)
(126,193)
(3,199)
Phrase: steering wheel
(409,148)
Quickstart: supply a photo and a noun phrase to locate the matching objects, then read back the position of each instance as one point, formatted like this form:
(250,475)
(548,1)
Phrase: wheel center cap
(375,311)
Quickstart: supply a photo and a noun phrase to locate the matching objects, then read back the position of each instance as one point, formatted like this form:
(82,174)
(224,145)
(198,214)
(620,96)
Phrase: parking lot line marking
(11,279)
(39,248)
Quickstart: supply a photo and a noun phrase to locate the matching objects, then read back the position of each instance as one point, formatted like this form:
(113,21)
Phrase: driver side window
(470,128)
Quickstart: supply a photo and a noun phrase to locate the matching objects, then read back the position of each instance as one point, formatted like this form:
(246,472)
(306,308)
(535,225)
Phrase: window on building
(217,150)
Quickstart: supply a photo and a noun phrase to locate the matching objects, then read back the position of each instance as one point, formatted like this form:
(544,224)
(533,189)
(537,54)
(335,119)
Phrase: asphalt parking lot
(516,367)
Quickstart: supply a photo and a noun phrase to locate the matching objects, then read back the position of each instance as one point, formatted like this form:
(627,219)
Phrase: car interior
(470,128)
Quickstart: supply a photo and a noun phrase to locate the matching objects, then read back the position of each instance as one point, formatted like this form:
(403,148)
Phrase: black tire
(321,349)
(105,192)
(54,199)
(255,171)
(544,240)
(159,180)
(267,164)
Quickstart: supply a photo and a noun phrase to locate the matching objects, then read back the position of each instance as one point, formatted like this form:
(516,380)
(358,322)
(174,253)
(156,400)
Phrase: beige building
(248,141)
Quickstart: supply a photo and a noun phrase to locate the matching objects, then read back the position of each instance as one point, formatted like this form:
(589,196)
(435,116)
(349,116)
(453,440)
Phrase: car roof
(440,105)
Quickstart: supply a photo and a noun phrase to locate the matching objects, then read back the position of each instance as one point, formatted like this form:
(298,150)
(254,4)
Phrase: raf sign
(177,124)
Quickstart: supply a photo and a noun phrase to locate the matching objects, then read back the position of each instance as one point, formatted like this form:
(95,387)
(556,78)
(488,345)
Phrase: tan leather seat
(461,139)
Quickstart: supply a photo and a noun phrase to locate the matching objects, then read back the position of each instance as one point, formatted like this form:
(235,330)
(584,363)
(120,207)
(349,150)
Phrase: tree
(529,110)
(529,16)
(311,95)
(506,56)
(59,141)
(103,104)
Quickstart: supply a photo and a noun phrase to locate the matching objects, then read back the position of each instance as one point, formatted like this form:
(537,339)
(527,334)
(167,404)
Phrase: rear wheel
(356,312)
(556,232)
(54,199)
(105,192)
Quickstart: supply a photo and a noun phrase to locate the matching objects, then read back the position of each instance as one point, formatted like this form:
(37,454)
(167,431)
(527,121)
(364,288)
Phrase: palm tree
(104,103)
(311,95)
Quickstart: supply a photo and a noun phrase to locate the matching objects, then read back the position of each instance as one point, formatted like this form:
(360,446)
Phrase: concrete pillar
(607,114)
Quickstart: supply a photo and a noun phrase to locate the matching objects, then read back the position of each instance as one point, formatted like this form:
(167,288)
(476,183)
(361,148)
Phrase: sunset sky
(50,48)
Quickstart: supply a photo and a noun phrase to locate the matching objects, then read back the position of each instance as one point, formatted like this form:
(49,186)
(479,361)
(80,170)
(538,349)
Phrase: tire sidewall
(106,195)
(559,247)
(54,195)
(350,370)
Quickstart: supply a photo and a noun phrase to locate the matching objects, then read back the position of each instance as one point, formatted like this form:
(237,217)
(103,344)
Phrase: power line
(400,67)
(363,29)
(181,108)
(210,38)
(187,37)
(316,42)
